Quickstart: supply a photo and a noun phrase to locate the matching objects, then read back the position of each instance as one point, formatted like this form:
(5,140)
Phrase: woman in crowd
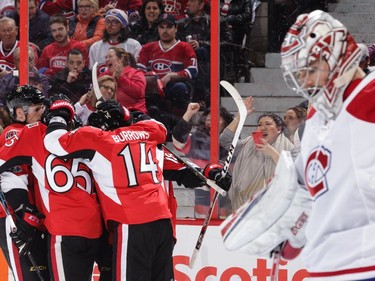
(256,163)
(131,81)
(88,26)
(87,103)
(145,29)
(294,118)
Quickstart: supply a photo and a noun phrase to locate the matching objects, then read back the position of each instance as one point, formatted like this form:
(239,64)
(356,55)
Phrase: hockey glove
(28,219)
(213,172)
(114,110)
(60,106)
(139,116)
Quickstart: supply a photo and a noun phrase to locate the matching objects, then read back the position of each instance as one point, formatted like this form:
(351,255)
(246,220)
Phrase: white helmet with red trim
(314,38)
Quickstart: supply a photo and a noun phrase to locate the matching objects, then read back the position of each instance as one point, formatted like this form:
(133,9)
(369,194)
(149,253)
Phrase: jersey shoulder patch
(363,105)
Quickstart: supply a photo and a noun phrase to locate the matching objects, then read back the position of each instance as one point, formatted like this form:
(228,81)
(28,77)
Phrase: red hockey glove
(28,219)
(60,106)
(213,172)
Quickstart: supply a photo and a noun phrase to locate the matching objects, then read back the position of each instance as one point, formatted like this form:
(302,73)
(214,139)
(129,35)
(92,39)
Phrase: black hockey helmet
(109,115)
(23,96)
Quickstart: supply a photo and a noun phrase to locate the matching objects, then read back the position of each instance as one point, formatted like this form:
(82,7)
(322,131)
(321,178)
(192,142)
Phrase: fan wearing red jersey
(25,105)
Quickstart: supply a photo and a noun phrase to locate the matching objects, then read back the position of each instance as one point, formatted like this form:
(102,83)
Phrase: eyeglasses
(108,88)
(112,22)
(85,7)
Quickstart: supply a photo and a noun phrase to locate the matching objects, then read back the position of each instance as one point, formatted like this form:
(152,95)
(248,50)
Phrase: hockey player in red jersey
(66,197)
(320,62)
(25,105)
(129,161)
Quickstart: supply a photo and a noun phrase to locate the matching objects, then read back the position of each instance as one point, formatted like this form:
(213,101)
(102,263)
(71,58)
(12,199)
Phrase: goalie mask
(319,58)
(23,97)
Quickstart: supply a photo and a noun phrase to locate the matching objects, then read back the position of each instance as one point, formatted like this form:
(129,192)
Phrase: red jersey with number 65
(66,188)
(125,166)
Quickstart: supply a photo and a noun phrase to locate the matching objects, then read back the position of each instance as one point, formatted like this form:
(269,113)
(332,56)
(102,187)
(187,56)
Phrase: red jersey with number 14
(125,166)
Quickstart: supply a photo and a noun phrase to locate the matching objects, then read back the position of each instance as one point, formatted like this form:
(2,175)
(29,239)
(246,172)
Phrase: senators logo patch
(317,167)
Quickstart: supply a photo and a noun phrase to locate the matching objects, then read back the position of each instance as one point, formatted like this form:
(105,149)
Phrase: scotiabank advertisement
(214,263)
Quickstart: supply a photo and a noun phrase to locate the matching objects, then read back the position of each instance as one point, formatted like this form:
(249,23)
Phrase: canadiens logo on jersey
(317,167)
(161,66)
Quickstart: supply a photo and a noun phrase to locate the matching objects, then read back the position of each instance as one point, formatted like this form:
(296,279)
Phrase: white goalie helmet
(313,38)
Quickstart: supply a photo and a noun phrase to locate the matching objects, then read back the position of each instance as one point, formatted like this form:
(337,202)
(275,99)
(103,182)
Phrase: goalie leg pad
(263,210)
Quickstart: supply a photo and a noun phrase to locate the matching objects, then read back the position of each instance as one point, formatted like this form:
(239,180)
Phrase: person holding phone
(257,154)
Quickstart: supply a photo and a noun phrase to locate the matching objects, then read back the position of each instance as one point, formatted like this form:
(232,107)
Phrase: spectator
(88,26)
(8,43)
(174,62)
(38,20)
(255,164)
(75,79)
(68,8)
(87,103)
(145,29)
(11,80)
(6,3)
(175,8)
(197,26)
(365,58)
(235,23)
(131,81)
(54,55)
(196,146)
(293,119)
(116,34)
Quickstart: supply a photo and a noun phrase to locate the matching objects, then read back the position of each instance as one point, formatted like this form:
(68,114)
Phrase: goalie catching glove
(214,172)
(28,220)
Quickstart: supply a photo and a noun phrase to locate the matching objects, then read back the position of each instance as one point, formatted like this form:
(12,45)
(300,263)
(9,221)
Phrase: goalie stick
(243,113)
(197,173)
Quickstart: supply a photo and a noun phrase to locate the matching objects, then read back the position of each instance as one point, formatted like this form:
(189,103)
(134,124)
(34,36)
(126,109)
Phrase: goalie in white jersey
(337,162)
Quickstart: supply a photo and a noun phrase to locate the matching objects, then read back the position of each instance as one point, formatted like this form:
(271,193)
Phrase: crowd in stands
(150,56)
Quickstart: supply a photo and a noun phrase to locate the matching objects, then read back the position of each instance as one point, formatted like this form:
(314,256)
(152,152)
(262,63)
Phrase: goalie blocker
(276,214)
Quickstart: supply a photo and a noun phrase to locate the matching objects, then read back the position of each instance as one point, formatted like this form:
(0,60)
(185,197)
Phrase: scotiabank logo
(261,272)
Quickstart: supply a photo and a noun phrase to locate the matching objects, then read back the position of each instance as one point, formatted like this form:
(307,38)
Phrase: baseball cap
(168,18)
(364,51)
(118,14)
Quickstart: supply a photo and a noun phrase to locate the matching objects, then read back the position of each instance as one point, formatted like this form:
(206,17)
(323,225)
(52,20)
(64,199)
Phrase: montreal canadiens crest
(317,167)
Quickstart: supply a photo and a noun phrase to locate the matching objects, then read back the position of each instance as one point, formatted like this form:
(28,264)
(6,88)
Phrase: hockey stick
(95,84)
(276,253)
(4,205)
(243,113)
(31,258)
(197,173)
